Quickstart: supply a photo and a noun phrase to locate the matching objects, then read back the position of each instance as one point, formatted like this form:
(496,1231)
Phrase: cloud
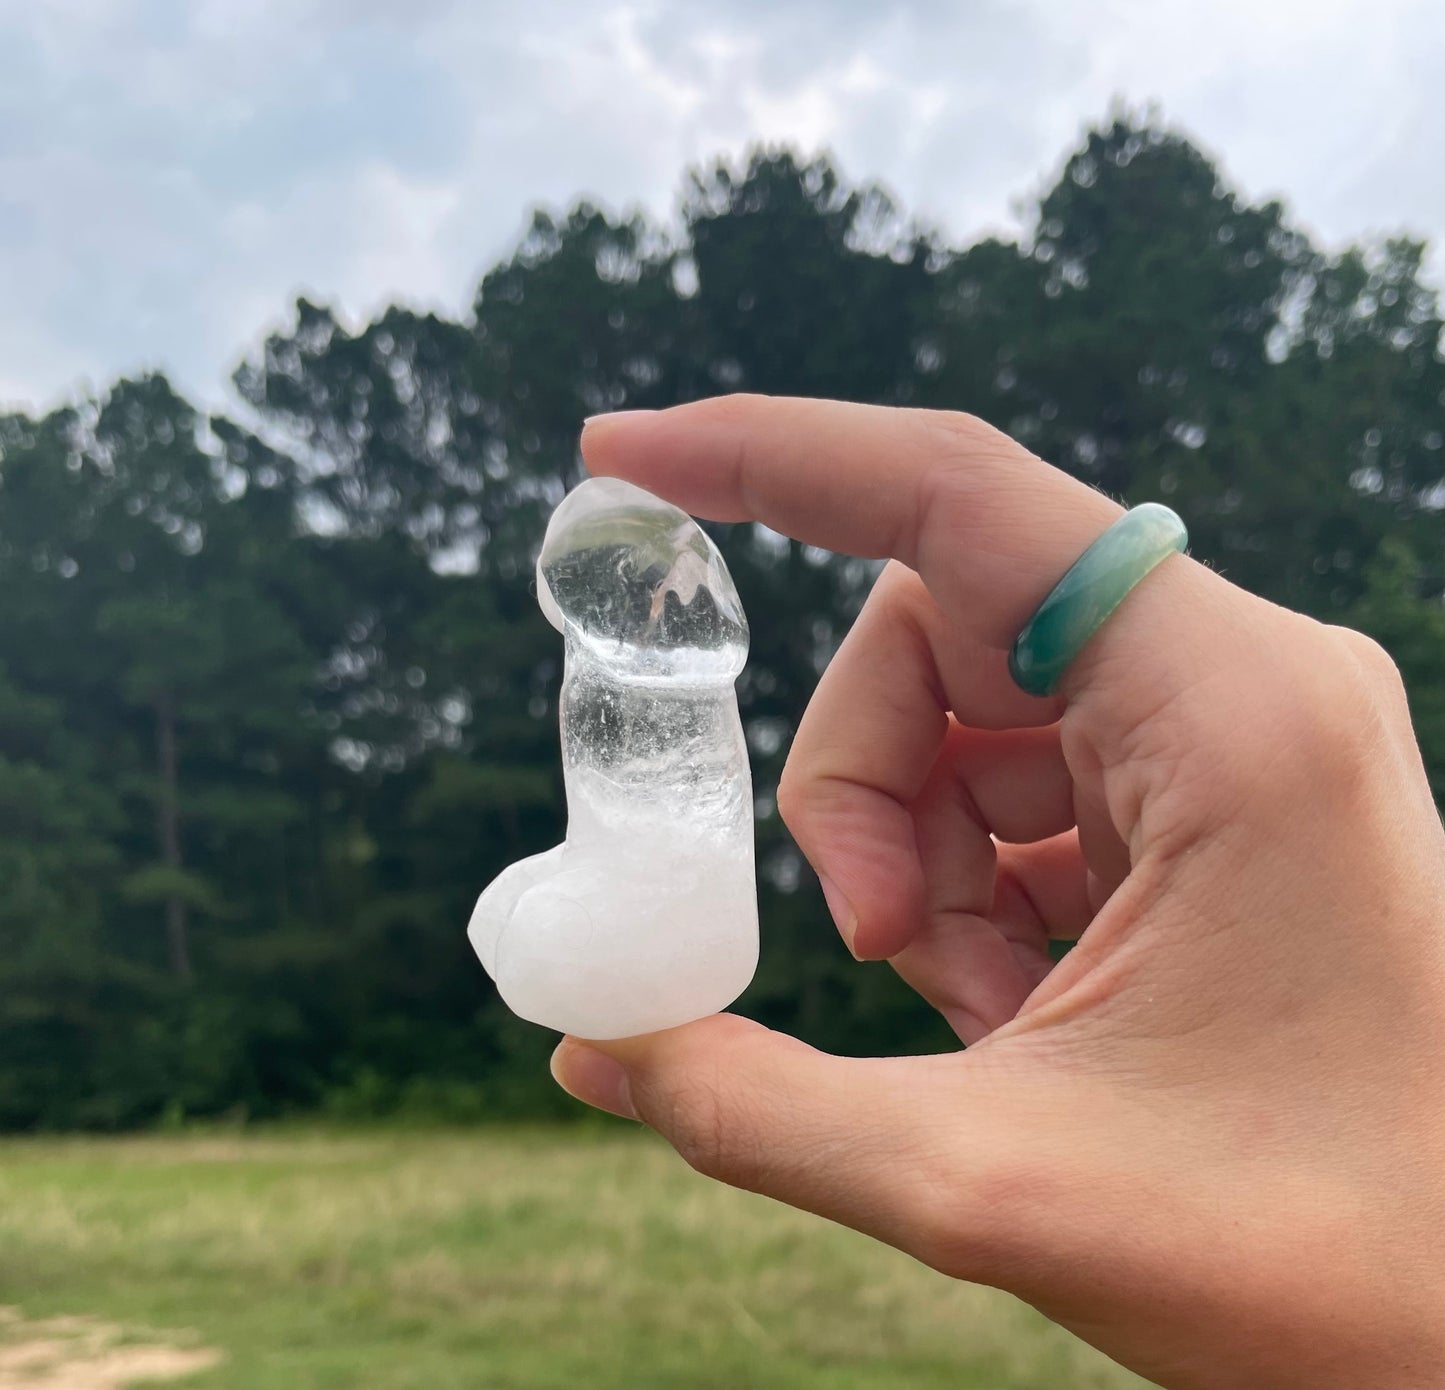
(173,171)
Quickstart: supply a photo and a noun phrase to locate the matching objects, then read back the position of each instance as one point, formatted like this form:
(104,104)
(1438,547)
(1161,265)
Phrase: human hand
(1211,1140)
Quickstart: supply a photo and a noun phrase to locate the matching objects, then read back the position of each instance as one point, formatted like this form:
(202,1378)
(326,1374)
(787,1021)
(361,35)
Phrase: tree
(276,699)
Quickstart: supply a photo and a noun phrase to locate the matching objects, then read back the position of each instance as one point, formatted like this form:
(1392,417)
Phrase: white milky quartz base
(646,916)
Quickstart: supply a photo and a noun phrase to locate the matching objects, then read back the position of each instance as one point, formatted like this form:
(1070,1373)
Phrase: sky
(174,172)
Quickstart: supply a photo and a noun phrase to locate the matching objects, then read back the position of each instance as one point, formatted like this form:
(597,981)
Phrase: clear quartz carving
(646,916)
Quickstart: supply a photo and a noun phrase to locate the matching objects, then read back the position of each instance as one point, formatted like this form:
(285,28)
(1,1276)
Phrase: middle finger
(871,739)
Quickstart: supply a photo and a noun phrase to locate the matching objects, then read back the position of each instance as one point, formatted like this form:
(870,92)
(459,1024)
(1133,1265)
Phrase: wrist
(1264,1269)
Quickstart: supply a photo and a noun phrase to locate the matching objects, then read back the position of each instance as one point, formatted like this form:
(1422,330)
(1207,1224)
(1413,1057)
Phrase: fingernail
(614,415)
(844,918)
(594,1078)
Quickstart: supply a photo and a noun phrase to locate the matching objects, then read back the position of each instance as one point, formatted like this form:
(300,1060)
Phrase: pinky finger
(979,969)
(1044,886)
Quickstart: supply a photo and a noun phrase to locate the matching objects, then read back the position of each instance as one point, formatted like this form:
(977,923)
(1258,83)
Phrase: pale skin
(1211,1140)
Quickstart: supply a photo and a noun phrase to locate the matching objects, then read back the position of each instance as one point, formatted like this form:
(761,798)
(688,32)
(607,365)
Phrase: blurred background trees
(276,700)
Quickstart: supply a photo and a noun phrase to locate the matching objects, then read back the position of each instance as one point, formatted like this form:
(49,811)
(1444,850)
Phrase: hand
(1211,1140)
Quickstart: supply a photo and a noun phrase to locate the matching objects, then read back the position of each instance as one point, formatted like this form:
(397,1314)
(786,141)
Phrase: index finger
(987,525)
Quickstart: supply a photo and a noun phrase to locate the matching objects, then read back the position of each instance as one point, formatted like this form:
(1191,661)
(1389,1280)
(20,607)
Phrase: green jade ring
(1092,588)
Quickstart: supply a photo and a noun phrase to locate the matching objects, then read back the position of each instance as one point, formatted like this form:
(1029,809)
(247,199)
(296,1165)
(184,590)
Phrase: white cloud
(171,173)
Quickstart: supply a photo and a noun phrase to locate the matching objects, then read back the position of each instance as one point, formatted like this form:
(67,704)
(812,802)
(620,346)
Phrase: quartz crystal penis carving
(646,916)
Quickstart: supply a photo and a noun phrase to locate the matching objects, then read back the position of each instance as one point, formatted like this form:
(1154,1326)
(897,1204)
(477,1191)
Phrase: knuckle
(1377,665)
(736,405)
(819,778)
(953,1245)
(1326,716)
(967,1214)
(979,483)
(793,794)
(699,1132)
(815,804)
(1303,718)
(957,429)
(1343,682)
(701,1120)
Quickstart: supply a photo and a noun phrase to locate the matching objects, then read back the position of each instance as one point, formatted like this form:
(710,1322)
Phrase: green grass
(492,1260)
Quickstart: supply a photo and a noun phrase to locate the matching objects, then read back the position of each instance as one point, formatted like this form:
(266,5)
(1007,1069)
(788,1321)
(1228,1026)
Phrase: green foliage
(158,883)
(276,702)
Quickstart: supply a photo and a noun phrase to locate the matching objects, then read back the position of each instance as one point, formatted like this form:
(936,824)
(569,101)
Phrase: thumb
(873,1143)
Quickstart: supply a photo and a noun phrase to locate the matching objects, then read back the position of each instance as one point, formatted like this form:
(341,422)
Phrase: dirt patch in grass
(86,1354)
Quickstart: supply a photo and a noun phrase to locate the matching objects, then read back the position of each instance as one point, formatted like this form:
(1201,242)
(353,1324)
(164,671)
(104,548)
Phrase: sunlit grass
(505,1260)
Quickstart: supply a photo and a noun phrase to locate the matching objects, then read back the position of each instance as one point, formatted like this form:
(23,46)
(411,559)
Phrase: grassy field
(492,1260)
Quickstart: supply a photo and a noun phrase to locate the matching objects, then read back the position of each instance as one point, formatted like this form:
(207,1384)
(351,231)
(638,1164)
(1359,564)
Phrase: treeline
(276,700)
